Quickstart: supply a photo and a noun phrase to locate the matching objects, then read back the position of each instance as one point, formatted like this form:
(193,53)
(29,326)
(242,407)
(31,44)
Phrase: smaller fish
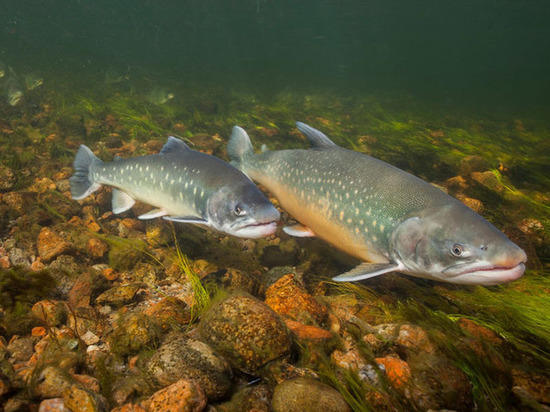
(184,185)
(32,81)
(2,69)
(12,88)
(159,95)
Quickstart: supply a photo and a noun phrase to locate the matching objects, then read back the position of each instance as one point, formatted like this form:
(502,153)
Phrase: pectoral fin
(365,271)
(188,219)
(298,231)
(151,214)
(121,201)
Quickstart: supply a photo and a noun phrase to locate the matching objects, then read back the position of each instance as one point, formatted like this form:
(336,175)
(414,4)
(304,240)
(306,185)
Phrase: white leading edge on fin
(121,201)
(188,219)
(299,231)
(367,270)
(151,214)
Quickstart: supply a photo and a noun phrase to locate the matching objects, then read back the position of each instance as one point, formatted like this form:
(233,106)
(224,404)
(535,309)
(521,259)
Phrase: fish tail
(82,182)
(239,147)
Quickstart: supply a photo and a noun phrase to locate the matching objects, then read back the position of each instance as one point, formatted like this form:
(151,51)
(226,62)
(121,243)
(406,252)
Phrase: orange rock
(307,332)
(87,381)
(129,407)
(479,331)
(50,245)
(169,311)
(75,221)
(38,331)
(397,370)
(42,185)
(51,312)
(53,405)
(289,298)
(5,262)
(37,265)
(184,395)
(110,274)
(97,247)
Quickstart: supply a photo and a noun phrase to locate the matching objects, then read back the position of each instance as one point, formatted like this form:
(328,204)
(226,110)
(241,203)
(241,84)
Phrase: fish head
(14,97)
(452,243)
(242,211)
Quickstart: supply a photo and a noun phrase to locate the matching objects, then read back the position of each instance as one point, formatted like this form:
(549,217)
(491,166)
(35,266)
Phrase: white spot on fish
(341,215)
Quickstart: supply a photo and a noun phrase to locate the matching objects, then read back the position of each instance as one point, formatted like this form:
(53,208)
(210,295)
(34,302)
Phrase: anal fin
(151,214)
(365,271)
(121,201)
(299,230)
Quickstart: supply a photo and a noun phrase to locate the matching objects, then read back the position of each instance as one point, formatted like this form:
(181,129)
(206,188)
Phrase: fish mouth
(257,230)
(490,274)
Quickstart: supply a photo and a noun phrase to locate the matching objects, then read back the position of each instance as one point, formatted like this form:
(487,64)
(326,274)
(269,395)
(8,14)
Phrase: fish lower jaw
(256,230)
(491,275)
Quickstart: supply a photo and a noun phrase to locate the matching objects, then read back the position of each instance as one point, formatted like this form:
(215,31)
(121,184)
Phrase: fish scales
(388,218)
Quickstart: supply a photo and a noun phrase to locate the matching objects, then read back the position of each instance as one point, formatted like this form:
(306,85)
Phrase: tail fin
(82,183)
(239,147)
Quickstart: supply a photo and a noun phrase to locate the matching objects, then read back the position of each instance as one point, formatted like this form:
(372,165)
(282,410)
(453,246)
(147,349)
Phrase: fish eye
(239,210)
(457,250)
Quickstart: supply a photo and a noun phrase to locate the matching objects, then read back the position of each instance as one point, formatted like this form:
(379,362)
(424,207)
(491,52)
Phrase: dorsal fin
(317,139)
(174,144)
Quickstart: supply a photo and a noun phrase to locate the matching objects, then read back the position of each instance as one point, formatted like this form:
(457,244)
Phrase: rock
(84,290)
(414,337)
(18,257)
(184,358)
(51,312)
(248,398)
(479,331)
(119,295)
(96,247)
(50,245)
(289,298)
(7,178)
(129,407)
(184,395)
(21,348)
(158,233)
(537,386)
(398,371)
(489,181)
(42,185)
(274,274)
(309,333)
(457,184)
(473,204)
(90,338)
(64,270)
(168,312)
(132,333)
(130,227)
(307,395)
(77,399)
(52,382)
(246,331)
(53,405)
(63,185)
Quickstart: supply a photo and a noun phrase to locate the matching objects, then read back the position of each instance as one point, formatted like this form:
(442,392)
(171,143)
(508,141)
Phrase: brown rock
(479,331)
(246,331)
(77,399)
(129,407)
(7,178)
(414,337)
(184,395)
(42,185)
(537,386)
(307,395)
(51,312)
(489,181)
(457,183)
(473,204)
(89,218)
(289,298)
(51,245)
(52,382)
(96,247)
(169,311)
(472,164)
(119,295)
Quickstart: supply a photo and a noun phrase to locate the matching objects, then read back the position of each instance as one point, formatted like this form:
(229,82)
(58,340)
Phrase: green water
(419,84)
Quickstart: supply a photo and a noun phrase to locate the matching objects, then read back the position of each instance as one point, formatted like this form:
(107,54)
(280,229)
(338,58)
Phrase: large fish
(184,185)
(388,218)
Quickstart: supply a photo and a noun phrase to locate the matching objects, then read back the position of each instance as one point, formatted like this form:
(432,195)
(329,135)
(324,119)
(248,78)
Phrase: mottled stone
(51,312)
(168,312)
(132,333)
(77,399)
(52,382)
(414,337)
(96,247)
(119,295)
(473,163)
(474,204)
(479,331)
(50,245)
(184,358)
(307,395)
(246,331)
(289,298)
(184,395)
(255,398)
(53,405)
(158,233)
(537,386)
(129,407)
(21,348)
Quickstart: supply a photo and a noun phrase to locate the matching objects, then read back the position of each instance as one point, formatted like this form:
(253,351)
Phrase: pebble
(246,331)
(184,395)
(398,371)
(7,178)
(53,405)
(50,245)
(96,247)
(307,395)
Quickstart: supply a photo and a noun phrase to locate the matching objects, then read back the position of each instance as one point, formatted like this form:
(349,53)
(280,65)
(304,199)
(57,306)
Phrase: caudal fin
(239,147)
(82,183)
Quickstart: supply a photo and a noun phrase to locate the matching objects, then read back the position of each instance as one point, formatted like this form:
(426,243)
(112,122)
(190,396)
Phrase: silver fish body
(388,218)
(184,185)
